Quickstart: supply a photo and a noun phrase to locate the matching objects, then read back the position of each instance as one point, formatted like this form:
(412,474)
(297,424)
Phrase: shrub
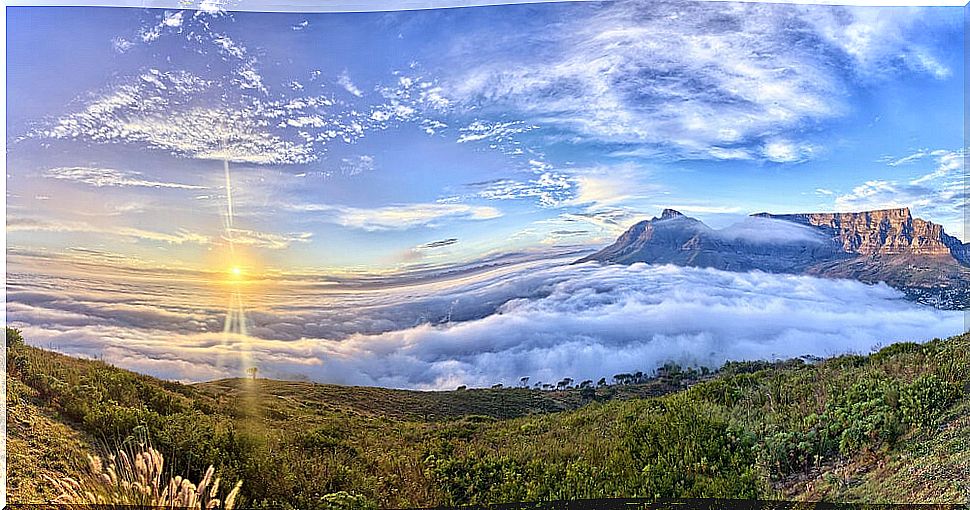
(922,401)
(688,450)
(14,338)
(344,500)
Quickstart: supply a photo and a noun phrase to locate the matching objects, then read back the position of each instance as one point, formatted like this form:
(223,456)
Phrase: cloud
(437,244)
(693,79)
(783,151)
(540,319)
(771,231)
(878,42)
(101,177)
(266,240)
(497,132)
(397,217)
(550,189)
(212,113)
(357,165)
(162,110)
(911,158)
(939,195)
(344,81)
(180,236)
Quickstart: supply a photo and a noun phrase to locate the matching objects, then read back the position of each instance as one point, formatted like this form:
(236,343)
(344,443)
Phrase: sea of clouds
(543,319)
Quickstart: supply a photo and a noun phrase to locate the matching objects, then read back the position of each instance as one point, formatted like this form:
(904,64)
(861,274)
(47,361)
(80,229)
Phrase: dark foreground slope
(889,427)
(891,246)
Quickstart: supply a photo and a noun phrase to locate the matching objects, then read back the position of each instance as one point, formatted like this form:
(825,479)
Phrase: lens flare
(236,324)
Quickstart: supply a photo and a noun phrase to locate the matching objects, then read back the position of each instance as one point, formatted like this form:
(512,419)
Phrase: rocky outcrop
(910,254)
(886,231)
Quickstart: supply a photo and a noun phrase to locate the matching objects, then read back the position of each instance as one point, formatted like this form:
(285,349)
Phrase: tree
(252,372)
(622,378)
(13,338)
(497,386)
(524,382)
(601,382)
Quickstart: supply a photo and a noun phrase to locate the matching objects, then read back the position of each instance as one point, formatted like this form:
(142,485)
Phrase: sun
(236,274)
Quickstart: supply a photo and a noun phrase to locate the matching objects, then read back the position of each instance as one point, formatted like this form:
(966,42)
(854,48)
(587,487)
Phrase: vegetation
(889,427)
(136,480)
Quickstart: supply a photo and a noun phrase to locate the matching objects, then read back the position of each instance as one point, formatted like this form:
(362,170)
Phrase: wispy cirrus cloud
(179,236)
(268,240)
(695,81)
(397,217)
(102,177)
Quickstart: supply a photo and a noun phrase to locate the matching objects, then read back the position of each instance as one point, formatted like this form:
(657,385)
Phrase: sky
(380,141)
(394,198)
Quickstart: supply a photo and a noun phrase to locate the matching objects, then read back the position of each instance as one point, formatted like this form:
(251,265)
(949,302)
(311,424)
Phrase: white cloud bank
(544,320)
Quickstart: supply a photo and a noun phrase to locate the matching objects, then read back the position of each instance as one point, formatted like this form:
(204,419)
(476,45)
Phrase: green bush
(689,451)
(343,500)
(922,401)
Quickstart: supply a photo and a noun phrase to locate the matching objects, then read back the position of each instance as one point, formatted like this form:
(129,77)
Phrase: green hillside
(890,427)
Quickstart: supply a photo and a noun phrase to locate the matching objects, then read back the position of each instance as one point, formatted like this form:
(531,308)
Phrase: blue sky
(377,141)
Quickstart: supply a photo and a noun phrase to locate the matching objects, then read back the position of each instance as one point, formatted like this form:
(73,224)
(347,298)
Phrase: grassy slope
(928,466)
(39,443)
(402,448)
(285,399)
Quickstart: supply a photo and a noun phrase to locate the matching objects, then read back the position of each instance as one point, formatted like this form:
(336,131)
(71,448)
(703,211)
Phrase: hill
(892,426)
(909,254)
(285,399)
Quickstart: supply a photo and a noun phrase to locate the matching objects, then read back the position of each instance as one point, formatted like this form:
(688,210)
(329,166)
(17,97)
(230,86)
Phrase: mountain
(910,254)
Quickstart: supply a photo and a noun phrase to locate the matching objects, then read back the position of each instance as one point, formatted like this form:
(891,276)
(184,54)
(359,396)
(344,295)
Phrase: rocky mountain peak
(889,245)
(670,213)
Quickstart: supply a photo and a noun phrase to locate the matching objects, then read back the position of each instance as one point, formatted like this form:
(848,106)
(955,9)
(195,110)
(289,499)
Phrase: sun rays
(236,322)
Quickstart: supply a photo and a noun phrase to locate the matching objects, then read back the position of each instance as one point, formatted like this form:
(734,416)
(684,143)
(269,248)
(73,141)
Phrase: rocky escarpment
(881,232)
(891,246)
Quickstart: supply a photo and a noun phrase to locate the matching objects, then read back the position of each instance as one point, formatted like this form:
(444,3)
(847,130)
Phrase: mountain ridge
(908,253)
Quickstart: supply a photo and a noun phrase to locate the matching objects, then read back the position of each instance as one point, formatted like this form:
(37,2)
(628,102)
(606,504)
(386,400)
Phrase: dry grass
(136,480)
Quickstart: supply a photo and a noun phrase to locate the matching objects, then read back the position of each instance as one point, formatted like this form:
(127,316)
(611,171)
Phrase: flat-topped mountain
(887,232)
(890,245)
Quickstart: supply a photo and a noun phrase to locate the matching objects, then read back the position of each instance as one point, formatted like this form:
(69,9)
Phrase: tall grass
(137,480)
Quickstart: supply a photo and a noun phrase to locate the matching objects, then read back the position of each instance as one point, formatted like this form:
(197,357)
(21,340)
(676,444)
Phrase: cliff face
(886,232)
(910,254)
